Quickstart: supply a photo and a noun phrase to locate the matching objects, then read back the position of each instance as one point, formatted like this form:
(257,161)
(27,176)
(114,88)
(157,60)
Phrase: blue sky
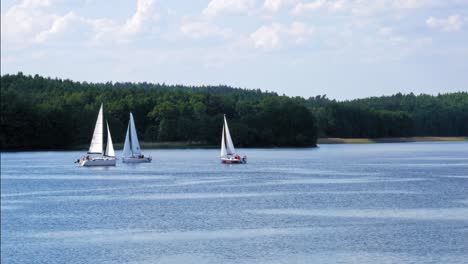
(342,48)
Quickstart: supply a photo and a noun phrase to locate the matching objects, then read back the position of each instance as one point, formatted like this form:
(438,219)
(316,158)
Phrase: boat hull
(137,160)
(97,162)
(233,161)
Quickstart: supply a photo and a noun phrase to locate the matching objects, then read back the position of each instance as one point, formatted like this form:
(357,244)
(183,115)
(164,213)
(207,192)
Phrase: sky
(344,49)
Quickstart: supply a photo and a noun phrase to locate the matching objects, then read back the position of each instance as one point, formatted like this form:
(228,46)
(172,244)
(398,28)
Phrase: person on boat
(237,157)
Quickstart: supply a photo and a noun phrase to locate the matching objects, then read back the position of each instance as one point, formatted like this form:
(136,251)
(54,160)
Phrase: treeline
(45,113)
(392,116)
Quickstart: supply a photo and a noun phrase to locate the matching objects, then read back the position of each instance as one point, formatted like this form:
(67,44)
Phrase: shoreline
(389,140)
(320,141)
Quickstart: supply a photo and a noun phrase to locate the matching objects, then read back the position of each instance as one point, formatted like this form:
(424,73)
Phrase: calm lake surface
(376,203)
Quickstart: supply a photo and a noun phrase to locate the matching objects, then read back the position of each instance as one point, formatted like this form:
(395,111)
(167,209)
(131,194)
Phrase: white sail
(96,146)
(110,148)
(229,144)
(134,140)
(127,151)
(223,145)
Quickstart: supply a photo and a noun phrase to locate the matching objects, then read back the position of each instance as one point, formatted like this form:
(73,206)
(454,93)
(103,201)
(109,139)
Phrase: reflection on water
(377,203)
(460,214)
(140,235)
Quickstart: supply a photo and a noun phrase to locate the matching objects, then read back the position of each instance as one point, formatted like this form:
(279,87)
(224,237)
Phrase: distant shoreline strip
(186,145)
(388,140)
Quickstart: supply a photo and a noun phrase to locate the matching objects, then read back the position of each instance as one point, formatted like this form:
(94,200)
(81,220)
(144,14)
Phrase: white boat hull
(232,160)
(97,162)
(136,160)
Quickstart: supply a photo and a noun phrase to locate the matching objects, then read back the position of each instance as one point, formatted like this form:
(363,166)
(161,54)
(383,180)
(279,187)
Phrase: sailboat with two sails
(107,157)
(132,152)
(228,152)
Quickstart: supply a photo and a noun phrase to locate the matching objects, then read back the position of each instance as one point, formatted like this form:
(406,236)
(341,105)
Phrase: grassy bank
(387,140)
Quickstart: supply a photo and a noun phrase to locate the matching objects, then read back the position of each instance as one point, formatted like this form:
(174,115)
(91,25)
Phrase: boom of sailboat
(131,153)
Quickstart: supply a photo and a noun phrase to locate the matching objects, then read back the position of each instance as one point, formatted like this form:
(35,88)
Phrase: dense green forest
(392,116)
(41,113)
(45,113)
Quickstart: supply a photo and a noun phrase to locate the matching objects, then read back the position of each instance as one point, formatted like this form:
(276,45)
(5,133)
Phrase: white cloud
(339,5)
(35,3)
(144,15)
(204,29)
(310,6)
(32,20)
(216,7)
(449,24)
(272,5)
(59,26)
(367,7)
(275,5)
(413,3)
(105,29)
(23,19)
(143,20)
(270,37)
(267,37)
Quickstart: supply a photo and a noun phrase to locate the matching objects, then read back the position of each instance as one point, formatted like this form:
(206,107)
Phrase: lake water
(376,203)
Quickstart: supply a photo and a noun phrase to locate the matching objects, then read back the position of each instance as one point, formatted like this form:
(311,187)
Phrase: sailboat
(132,152)
(107,157)
(228,152)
